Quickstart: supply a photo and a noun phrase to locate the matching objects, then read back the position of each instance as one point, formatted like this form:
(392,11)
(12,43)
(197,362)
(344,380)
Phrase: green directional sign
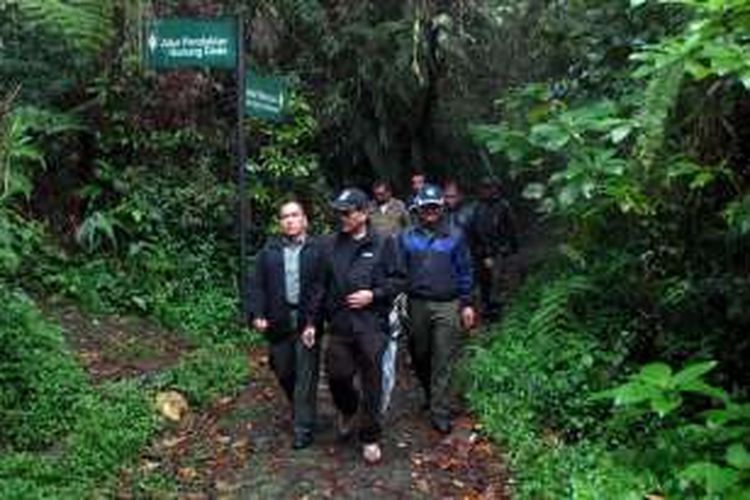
(187,43)
(265,97)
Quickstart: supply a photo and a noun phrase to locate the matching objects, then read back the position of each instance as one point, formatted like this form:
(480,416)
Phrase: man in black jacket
(493,239)
(285,271)
(354,291)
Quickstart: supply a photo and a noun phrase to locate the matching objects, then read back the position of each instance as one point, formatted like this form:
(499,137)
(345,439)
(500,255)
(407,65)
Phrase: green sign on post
(187,43)
(265,97)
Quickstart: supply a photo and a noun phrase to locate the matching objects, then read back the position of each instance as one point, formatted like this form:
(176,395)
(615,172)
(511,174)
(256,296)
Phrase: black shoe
(302,440)
(345,426)
(442,425)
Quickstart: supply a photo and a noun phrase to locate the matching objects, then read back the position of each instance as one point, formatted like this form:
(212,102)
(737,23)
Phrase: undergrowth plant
(698,452)
(645,177)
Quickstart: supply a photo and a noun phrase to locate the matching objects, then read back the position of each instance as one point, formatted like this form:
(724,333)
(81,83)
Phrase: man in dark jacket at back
(436,261)
(285,271)
(493,237)
(459,212)
(354,291)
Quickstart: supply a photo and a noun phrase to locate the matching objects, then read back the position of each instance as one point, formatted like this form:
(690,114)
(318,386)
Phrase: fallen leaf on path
(463,423)
(422,486)
(172,405)
(148,466)
(173,441)
(89,356)
(489,494)
(193,496)
(187,473)
(240,443)
(223,487)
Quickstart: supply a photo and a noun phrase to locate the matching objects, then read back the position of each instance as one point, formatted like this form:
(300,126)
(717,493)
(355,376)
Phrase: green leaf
(738,457)
(534,191)
(701,387)
(713,478)
(732,413)
(634,392)
(693,372)
(658,374)
(702,179)
(620,133)
(549,136)
(663,404)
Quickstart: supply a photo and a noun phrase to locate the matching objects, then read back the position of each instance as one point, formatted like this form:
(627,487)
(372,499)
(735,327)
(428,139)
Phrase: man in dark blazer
(286,270)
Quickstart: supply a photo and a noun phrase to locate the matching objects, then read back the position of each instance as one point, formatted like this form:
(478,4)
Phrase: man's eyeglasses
(346,213)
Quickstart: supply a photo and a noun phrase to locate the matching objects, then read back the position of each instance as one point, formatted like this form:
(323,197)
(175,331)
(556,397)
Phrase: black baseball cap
(350,199)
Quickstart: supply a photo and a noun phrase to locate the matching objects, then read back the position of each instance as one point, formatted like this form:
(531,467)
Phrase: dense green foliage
(47,401)
(119,216)
(638,152)
(37,405)
(205,374)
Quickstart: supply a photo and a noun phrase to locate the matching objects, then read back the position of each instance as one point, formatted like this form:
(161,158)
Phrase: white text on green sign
(265,96)
(180,43)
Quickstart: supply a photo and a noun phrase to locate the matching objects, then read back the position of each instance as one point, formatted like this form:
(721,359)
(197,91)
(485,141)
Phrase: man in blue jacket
(437,263)
(286,270)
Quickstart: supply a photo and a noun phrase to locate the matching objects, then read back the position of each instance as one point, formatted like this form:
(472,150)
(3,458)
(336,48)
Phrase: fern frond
(84,25)
(659,99)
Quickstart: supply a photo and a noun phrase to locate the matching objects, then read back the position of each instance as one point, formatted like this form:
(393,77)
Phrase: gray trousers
(296,368)
(434,345)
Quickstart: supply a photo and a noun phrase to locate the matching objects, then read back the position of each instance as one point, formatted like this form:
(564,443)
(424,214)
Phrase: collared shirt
(292,249)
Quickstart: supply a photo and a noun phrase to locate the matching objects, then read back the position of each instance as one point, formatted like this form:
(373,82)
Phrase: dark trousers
(296,369)
(486,278)
(346,355)
(434,342)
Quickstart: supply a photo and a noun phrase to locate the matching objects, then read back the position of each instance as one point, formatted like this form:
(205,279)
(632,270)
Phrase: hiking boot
(371,453)
(345,425)
(442,424)
(302,439)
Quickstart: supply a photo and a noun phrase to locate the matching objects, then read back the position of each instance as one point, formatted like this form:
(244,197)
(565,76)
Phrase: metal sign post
(241,167)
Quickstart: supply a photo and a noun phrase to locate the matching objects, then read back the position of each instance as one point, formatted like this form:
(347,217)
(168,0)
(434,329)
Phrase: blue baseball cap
(430,194)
